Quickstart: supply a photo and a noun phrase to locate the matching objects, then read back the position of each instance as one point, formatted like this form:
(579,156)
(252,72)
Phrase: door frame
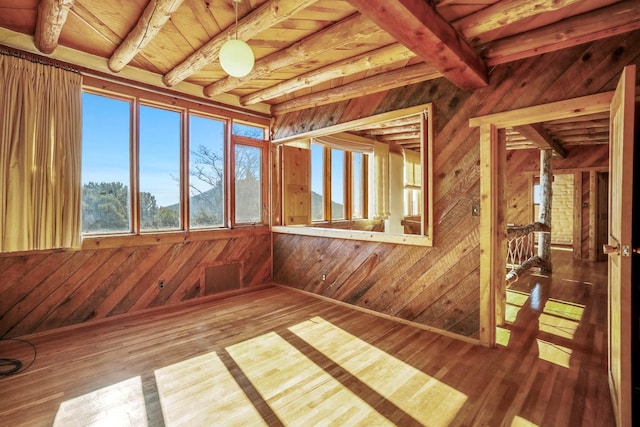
(493,234)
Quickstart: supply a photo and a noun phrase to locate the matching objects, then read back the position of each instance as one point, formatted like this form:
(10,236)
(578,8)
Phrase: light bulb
(236,58)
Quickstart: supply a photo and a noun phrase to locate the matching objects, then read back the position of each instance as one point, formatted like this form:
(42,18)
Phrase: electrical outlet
(475,209)
(161,284)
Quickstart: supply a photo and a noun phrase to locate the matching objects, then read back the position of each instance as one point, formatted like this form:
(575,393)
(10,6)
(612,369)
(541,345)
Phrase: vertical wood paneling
(44,291)
(439,286)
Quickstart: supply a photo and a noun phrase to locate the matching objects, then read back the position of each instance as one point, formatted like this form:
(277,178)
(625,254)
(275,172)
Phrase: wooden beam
(52,14)
(608,21)
(541,138)
(414,127)
(493,247)
(378,83)
(153,18)
(399,136)
(264,17)
(351,30)
(574,107)
(378,58)
(504,13)
(97,66)
(419,27)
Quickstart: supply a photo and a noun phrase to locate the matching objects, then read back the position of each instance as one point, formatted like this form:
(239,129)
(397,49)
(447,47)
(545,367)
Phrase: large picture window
(177,171)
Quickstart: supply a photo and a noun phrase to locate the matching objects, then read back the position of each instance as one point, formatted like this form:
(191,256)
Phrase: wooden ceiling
(560,134)
(309,52)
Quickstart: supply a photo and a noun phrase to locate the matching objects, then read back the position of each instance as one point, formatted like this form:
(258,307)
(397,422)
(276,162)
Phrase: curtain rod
(7,51)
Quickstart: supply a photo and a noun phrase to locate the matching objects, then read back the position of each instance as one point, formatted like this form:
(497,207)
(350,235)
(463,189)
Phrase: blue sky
(106,138)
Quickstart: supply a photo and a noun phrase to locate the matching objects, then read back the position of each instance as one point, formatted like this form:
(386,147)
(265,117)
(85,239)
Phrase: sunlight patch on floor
(554,353)
(120,404)
(428,400)
(560,318)
(515,301)
(201,391)
(502,336)
(299,391)
(522,422)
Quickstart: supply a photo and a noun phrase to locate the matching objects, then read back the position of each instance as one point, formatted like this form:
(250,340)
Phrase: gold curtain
(40,143)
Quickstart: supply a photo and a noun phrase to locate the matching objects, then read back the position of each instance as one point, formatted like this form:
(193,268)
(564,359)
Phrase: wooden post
(544,239)
(493,233)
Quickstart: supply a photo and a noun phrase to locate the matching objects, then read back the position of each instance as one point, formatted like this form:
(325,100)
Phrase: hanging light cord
(235,4)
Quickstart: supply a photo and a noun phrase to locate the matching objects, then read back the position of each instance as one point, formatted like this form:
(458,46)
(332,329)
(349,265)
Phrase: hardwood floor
(278,357)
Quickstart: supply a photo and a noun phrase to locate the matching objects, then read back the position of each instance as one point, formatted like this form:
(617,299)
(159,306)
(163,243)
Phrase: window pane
(412,201)
(159,169)
(105,164)
(206,172)
(249,131)
(536,194)
(357,185)
(317,182)
(337,184)
(248,183)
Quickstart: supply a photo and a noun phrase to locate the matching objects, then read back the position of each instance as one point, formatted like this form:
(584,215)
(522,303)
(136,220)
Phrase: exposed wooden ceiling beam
(506,12)
(402,121)
(52,14)
(416,25)
(153,18)
(575,107)
(585,140)
(608,21)
(389,80)
(380,57)
(398,137)
(540,138)
(350,30)
(264,17)
(391,130)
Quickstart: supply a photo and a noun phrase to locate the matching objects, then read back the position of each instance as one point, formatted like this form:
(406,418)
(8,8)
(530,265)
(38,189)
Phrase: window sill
(400,239)
(170,237)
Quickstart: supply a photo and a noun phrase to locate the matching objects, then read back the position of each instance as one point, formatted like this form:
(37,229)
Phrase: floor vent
(221,277)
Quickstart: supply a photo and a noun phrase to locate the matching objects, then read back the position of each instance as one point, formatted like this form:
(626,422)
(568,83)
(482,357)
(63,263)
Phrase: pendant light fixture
(236,57)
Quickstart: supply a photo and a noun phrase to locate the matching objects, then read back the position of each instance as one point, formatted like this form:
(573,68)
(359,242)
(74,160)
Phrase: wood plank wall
(438,286)
(47,290)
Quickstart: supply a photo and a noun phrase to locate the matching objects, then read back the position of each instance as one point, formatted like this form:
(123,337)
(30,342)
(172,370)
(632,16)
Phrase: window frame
(426,238)
(348,182)
(136,97)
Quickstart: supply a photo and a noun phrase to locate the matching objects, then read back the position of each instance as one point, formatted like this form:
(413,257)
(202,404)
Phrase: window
(248,183)
(337,184)
(317,182)
(347,175)
(179,171)
(206,172)
(106,186)
(159,169)
(358,188)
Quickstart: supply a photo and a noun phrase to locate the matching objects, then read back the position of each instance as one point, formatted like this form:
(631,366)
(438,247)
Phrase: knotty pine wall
(438,286)
(112,276)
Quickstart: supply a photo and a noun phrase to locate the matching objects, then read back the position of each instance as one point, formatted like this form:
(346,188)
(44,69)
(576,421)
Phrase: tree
(105,207)
(206,187)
